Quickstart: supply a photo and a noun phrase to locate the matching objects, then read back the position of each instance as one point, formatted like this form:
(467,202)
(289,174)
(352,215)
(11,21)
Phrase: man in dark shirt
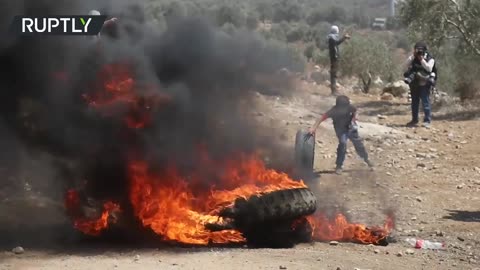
(334,41)
(344,117)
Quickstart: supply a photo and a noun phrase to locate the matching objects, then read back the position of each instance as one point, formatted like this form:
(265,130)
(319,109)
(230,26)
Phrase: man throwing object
(344,117)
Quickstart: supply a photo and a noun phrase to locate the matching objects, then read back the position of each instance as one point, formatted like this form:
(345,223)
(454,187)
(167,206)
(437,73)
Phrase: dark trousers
(357,141)
(333,75)
(421,92)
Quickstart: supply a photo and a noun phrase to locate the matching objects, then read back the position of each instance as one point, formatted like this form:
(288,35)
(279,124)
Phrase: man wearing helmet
(344,117)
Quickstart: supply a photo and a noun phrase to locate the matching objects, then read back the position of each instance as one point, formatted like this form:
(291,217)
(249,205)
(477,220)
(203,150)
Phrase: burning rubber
(275,219)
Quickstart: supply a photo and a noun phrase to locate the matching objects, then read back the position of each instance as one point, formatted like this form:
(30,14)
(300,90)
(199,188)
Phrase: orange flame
(117,92)
(89,226)
(168,205)
(340,229)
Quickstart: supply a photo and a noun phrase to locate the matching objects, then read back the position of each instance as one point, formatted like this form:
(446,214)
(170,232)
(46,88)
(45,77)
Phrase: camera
(409,76)
(419,53)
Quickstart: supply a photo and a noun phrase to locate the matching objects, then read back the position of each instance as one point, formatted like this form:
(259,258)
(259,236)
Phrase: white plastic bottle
(425,244)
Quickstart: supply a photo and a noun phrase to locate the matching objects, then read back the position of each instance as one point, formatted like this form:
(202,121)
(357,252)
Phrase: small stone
(282,267)
(376,251)
(410,137)
(419,199)
(472,261)
(136,258)
(18,250)
(334,243)
(463,142)
(461,238)
(461,186)
(413,218)
(338,268)
(439,233)
(389,173)
(421,155)
(399,254)
(421,165)
(409,251)
(115,266)
(381,116)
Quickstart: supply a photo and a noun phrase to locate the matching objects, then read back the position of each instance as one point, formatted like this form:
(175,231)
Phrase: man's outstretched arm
(322,118)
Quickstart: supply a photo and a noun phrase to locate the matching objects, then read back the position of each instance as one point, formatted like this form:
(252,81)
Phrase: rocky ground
(429,178)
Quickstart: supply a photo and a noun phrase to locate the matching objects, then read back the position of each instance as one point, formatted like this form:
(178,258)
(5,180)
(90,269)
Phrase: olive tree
(368,58)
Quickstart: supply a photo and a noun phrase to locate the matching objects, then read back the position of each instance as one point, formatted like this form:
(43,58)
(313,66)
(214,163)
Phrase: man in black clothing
(344,117)
(334,41)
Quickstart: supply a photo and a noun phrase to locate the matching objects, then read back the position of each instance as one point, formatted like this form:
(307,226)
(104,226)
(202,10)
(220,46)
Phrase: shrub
(368,58)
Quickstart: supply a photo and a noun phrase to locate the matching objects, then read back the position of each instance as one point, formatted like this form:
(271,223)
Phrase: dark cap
(342,101)
(420,45)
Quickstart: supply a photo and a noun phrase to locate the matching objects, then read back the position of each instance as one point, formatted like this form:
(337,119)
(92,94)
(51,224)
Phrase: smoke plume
(202,75)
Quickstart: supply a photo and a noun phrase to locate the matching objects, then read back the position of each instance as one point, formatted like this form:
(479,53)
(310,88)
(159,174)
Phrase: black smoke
(207,74)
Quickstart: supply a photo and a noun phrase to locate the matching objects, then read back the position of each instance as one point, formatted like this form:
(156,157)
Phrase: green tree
(336,14)
(368,58)
(252,20)
(230,14)
(265,10)
(287,10)
(441,21)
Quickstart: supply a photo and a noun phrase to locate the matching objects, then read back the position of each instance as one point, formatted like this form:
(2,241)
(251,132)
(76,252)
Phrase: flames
(116,93)
(340,229)
(172,209)
(89,226)
(177,206)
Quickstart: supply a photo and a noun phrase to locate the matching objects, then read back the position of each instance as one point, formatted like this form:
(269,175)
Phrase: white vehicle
(379,24)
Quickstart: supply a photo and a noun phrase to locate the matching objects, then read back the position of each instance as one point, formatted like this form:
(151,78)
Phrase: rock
(421,165)
(136,258)
(399,254)
(397,89)
(319,76)
(376,251)
(282,267)
(419,199)
(461,186)
(334,243)
(439,233)
(421,155)
(461,238)
(386,96)
(409,251)
(18,250)
(389,173)
(413,218)
(381,116)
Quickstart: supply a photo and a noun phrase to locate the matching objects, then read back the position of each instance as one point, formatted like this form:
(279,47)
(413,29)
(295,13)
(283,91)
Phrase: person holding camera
(334,41)
(420,76)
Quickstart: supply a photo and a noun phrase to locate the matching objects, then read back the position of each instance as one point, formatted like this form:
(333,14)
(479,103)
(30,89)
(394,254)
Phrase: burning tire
(288,204)
(275,220)
(304,152)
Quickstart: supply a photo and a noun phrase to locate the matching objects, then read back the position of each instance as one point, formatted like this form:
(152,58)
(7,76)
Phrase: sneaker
(338,171)
(426,125)
(412,124)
